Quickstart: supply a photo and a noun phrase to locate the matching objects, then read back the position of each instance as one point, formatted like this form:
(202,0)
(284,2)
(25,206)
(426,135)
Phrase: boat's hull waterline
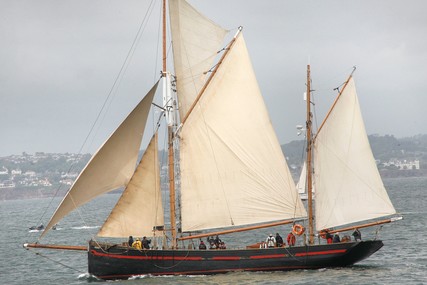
(118,262)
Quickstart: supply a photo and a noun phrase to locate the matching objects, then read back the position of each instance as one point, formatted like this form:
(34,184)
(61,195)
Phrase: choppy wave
(402,260)
(35,231)
(88,277)
(136,277)
(85,227)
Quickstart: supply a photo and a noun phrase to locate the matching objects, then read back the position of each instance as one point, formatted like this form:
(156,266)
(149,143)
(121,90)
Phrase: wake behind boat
(229,171)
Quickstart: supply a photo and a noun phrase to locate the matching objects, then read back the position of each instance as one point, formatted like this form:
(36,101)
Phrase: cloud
(60,59)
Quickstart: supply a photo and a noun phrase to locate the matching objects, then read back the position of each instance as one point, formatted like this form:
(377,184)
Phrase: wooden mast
(164,38)
(309,153)
(171,164)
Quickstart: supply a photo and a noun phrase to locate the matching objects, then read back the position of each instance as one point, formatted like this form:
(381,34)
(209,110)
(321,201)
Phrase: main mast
(309,153)
(169,107)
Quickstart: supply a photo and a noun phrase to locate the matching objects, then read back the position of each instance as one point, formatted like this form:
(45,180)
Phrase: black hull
(117,262)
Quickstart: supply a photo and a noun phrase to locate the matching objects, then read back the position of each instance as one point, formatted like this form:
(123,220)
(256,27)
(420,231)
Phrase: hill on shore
(388,152)
(51,174)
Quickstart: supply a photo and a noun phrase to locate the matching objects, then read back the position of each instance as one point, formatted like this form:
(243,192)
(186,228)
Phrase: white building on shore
(404,164)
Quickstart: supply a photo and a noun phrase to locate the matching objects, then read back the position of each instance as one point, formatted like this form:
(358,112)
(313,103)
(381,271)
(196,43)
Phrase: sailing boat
(232,173)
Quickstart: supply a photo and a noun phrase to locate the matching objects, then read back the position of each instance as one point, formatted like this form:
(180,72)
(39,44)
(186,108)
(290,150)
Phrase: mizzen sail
(112,165)
(349,188)
(233,171)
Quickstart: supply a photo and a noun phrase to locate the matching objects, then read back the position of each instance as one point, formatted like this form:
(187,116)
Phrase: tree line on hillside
(384,148)
(48,163)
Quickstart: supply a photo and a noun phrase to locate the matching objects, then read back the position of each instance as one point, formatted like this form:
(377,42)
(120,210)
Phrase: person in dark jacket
(357,235)
(336,238)
(217,241)
(279,240)
(202,245)
(130,242)
(146,243)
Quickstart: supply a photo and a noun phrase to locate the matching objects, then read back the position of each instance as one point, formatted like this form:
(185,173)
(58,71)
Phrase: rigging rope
(110,94)
(58,262)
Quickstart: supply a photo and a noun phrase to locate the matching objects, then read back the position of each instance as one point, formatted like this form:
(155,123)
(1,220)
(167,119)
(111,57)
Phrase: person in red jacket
(291,239)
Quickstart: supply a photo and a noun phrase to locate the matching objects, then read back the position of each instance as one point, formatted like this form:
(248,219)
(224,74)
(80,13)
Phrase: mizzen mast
(168,103)
(309,168)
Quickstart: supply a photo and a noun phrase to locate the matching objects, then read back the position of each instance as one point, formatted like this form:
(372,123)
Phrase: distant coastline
(43,192)
(40,175)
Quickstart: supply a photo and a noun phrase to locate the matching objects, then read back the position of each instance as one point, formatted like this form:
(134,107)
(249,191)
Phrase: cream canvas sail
(302,180)
(226,172)
(233,171)
(112,165)
(139,209)
(196,41)
(349,188)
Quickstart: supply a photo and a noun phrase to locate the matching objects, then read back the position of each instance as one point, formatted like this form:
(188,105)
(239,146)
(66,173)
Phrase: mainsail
(349,188)
(196,41)
(139,209)
(112,165)
(233,171)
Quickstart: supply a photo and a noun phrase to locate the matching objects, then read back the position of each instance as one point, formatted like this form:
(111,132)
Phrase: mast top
(164,38)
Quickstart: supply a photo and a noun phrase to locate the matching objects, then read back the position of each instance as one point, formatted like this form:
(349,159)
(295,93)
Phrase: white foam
(85,227)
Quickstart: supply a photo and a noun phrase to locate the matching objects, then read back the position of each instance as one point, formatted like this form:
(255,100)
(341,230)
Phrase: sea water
(402,260)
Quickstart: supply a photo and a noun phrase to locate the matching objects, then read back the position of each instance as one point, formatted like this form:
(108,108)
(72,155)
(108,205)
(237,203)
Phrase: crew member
(291,239)
(271,241)
(137,244)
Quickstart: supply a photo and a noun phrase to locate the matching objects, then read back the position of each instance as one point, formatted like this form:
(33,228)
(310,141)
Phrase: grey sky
(59,59)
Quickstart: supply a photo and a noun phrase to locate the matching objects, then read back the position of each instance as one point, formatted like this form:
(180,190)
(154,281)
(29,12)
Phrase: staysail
(119,153)
(302,180)
(140,208)
(196,41)
(233,171)
(349,188)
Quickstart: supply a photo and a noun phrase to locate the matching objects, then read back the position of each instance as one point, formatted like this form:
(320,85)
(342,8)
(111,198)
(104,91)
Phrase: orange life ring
(298,229)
